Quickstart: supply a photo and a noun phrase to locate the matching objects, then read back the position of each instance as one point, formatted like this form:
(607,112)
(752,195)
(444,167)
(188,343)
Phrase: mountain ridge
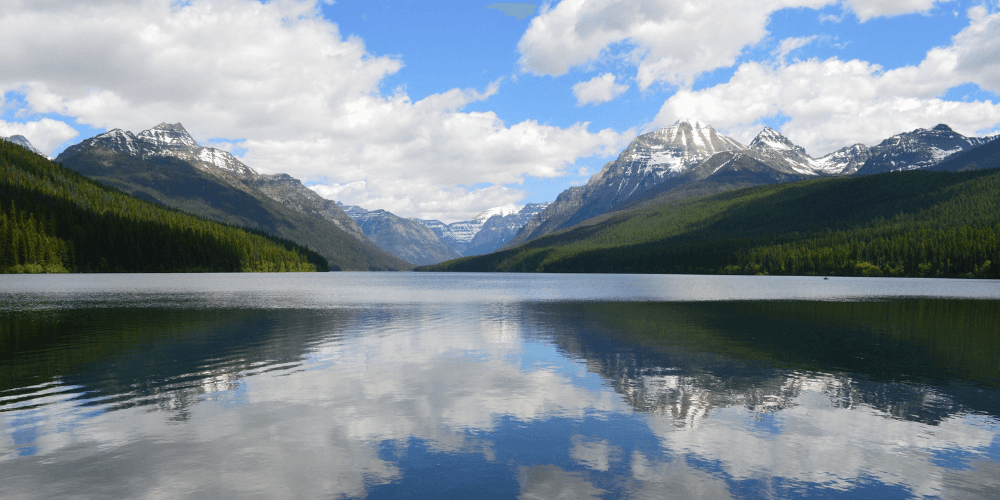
(769,158)
(165,164)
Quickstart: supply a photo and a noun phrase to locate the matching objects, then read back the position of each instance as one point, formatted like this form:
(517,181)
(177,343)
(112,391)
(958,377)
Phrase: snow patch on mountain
(23,141)
(918,149)
(170,140)
(671,151)
(168,135)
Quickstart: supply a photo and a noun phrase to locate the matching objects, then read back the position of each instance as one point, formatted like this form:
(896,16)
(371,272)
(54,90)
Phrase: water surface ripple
(383,385)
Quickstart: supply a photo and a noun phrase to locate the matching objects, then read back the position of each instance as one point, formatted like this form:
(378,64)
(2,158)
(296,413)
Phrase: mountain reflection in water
(885,398)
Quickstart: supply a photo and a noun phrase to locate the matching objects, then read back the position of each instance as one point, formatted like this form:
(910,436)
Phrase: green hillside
(55,220)
(916,223)
(179,184)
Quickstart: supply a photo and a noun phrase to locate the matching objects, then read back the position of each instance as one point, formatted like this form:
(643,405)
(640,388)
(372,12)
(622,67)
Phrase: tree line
(933,224)
(55,220)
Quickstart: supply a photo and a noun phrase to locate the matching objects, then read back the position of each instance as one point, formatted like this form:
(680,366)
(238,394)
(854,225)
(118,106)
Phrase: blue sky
(443,109)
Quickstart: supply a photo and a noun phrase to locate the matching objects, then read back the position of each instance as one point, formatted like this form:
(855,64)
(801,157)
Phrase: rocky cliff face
(290,192)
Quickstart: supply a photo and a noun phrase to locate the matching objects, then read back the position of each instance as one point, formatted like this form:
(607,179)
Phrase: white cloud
(305,99)
(789,45)
(45,134)
(834,103)
(867,9)
(598,89)
(671,42)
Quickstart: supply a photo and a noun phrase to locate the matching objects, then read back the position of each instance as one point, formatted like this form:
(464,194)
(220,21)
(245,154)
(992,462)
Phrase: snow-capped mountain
(690,159)
(166,165)
(501,228)
(664,157)
(920,148)
(432,241)
(459,235)
(844,161)
(23,141)
(782,155)
(661,155)
(173,141)
(167,140)
(407,239)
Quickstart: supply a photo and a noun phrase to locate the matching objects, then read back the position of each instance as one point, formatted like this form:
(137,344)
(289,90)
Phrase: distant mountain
(921,148)
(407,239)
(687,159)
(690,159)
(978,158)
(23,141)
(290,192)
(915,223)
(487,231)
(166,165)
(653,159)
(501,228)
(459,235)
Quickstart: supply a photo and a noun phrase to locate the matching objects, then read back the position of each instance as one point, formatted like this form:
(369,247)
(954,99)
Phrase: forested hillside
(914,223)
(224,196)
(55,220)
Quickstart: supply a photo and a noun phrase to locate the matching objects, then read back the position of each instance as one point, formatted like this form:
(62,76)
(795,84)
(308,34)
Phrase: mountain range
(690,159)
(166,165)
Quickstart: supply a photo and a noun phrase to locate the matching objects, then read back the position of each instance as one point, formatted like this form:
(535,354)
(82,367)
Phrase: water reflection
(502,399)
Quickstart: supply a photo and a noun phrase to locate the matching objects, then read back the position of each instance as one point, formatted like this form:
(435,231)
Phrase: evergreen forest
(914,224)
(55,220)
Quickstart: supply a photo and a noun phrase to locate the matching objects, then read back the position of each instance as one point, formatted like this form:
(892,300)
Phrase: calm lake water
(389,385)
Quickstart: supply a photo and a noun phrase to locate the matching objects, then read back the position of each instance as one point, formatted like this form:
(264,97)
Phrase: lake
(422,385)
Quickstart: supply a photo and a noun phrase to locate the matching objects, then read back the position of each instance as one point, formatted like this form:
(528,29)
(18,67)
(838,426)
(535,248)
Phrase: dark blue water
(359,385)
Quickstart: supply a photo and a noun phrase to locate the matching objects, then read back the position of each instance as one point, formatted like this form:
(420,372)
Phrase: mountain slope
(900,224)
(22,141)
(658,158)
(167,166)
(290,192)
(978,158)
(500,228)
(918,149)
(404,238)
(55,220)
(688,169)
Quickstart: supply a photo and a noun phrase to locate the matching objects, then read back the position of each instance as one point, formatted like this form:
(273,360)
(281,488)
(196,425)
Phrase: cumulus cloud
(306,99)
(598,89)
(867,9)
(671,42)
(832,103)
(45,134)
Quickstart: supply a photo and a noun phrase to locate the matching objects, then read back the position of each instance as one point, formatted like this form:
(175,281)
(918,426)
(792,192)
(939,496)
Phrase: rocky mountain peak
(22,141)
(168,135)
(772,139)
(691,122)
(501,211)
(920,148)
